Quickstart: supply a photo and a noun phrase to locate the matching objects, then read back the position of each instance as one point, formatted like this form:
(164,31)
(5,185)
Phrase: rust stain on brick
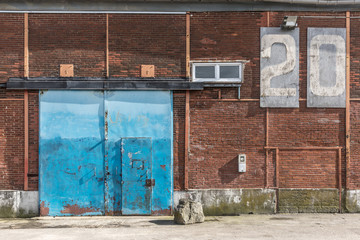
(77,210)
(207,41)
(44,210)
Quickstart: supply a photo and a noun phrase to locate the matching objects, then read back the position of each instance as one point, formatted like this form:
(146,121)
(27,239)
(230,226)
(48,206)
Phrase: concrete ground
(281,226)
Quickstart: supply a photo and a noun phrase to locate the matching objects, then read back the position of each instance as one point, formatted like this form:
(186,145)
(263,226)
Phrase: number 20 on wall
(326,64)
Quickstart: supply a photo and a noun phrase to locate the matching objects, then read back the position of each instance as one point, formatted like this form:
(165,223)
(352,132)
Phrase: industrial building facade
(124,113)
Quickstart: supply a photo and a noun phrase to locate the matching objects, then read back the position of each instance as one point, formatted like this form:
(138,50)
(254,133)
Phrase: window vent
(217,72)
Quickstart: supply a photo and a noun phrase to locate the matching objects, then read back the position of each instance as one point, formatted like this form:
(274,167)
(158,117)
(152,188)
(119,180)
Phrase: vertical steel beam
(187,104)
(267,126)
(107,46)
(277,167)
(187,136)
(26,139)
(266,150)
(26,45)
(340,179)
(347,118)
(277,180)
(26,102)
(187,45)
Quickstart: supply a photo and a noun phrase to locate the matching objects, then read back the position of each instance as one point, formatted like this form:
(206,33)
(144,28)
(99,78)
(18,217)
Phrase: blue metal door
(71,153)
(135,114)
(83,170)
(136,176)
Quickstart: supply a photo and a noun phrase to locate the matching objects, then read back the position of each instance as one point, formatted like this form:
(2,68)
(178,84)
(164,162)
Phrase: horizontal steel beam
(101,84)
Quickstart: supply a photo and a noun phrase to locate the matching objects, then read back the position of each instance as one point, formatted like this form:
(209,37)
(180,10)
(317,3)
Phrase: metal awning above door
(103,84)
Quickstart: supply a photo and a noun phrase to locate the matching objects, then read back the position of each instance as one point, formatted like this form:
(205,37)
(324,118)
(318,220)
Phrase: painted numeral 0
(326,78)
(314,69)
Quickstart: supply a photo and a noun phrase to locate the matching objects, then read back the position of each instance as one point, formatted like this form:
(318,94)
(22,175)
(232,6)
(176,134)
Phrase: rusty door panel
(136,170)
(71,153)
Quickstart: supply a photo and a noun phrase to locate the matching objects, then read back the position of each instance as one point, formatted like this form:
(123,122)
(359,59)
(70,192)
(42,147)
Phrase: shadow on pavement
(163,222)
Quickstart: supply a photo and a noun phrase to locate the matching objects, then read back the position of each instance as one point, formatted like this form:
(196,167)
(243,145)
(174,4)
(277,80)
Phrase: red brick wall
(11,140)
(355,105)
(304,127)
(230,36)
(179,138)
(147,39)
(308,169)
(77,39)
(220,130)
(11,46)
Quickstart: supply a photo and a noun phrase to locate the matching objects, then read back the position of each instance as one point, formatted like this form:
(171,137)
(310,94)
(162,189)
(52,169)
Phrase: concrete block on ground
(189,212)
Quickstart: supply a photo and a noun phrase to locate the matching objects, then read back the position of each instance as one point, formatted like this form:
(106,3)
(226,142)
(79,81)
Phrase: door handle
(150,182)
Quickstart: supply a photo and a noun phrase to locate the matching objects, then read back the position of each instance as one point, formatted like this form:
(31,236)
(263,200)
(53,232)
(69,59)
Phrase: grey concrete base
(243,201)
(19,203)
(308,200)
(352,202)
(217,202)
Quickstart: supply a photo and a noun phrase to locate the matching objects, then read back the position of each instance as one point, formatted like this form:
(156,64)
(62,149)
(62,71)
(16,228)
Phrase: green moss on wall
(308,201)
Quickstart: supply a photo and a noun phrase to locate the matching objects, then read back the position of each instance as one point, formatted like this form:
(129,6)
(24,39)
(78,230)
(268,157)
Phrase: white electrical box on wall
(242,162)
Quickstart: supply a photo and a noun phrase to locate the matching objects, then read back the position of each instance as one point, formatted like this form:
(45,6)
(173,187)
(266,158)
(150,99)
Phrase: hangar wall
(221,125)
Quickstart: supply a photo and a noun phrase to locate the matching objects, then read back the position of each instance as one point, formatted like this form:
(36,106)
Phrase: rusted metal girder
(187,104)
(26,102)
(347,115)
(107,46)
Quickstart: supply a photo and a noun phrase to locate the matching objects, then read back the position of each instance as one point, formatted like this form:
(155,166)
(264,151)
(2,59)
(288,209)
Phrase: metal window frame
(217,66)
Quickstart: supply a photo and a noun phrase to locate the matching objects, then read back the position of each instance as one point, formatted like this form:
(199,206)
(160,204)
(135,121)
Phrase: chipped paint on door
(80,150)
(71,153)
(142,114)
(136,170)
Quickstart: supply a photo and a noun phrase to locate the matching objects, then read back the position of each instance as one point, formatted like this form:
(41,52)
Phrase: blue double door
(105,153)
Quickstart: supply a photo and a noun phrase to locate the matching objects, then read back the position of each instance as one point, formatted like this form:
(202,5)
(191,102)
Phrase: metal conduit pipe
(315,2)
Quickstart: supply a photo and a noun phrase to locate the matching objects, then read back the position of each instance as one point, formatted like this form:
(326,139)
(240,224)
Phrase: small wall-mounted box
(66,70)
(242,162)
(147,71)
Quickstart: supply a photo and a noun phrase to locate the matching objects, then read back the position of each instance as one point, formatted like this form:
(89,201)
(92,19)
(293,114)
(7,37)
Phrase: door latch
(150,182)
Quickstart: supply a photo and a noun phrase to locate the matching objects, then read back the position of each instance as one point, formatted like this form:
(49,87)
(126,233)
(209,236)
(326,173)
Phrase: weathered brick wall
(11,46)
(179,138)
(355,146)
(305,127)
(220,130)
(147,39)
(77,39)
(230,36)
(355,105)
(11,140)
(235,36)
